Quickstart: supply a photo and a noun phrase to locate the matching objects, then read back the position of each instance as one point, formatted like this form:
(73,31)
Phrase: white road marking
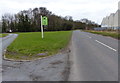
(106,45)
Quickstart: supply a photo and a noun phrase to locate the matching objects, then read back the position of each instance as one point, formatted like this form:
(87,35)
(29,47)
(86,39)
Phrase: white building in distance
(112,21)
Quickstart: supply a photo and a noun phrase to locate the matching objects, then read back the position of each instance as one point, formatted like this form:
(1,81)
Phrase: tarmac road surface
(93,57)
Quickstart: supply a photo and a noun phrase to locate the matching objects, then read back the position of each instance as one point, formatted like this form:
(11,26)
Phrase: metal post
(42,27)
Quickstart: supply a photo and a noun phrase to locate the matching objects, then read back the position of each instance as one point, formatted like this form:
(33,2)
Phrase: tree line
(29,21)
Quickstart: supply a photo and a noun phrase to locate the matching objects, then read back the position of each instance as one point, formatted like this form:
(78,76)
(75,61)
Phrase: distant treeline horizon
(29,21)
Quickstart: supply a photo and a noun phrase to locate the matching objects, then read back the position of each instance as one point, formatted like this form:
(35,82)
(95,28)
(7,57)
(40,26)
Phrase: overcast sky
(94,10)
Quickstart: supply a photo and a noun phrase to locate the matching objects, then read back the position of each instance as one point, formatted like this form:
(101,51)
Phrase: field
(106,33)
(31,45)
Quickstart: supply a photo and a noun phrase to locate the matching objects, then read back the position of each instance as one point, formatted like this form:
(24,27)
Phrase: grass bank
(105,33)
(31,45)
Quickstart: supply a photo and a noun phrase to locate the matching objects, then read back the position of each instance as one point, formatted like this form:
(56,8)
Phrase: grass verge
(30,45)
(105,33)
(3,35)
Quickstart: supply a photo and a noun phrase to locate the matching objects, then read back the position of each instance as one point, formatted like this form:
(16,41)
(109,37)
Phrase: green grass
(106,33)
(28,45)
(3,35)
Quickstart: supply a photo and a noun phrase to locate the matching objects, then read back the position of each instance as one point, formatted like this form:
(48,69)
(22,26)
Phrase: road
(4,42)
(93,57)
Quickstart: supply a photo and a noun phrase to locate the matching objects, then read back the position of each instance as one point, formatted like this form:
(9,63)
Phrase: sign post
(42,27)
(44,21)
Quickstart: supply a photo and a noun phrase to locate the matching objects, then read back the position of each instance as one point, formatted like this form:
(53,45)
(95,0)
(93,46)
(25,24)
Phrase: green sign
(44,20)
